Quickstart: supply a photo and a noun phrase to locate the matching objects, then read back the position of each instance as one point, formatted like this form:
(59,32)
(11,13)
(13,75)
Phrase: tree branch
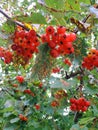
(84,20)
(16,22)
(73,74)
(52,9)
(77,116)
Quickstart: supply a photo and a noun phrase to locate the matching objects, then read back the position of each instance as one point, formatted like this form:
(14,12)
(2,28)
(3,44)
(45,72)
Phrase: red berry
(40,85)
(84,109)
(71,37)
(52,44)
(44,38)
(56,70)
(15,85)
(28,91)
(14,47)
(20,79)
(55,37)
(61,30)
(87,103)
(37,106)
(54,103)
(73,107)
(23,118)
(68,62)
(54,53)
(50,30)
(72,100)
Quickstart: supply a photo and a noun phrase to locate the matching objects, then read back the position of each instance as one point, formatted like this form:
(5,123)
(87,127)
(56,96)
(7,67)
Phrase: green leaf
(75,127)
(86,120)
(56,4)
(8,27)
(33,124)
(91,90)
(95,110)
(75,4)
(85,1)
(10,128)
(36,18)
(7,109)
(84,128)
(56,9)
(14,120)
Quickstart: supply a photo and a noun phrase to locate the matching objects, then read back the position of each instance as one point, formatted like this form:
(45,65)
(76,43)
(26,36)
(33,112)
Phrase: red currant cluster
(56,70)
(91,60)
(29,92)
(59,41)
(6,55)
(60,94)
(80,104)
(67,62)
(25,44)
(54,103)
(23,118)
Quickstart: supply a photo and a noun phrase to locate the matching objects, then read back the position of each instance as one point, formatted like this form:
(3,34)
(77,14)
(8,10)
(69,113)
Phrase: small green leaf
(36,18)
(86,120)
(14,120)
(7,109)
(8,27)
(56,4)
(95,110)
(75,127)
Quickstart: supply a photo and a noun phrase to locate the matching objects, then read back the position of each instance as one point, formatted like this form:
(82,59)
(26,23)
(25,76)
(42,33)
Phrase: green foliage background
(49,12)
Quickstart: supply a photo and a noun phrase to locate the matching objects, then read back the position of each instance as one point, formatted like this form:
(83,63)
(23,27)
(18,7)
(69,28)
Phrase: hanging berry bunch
(91,60)
(23,118)
(80,104)
(25,43)
(54,103)
(6,55)
(59,41)
(60,94)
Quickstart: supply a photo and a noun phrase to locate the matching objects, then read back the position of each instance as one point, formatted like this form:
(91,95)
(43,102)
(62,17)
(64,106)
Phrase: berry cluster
(56,70)
(54,103)
(58,41)
(6,55)
(22,117)
(67,62)
(91,60)
(29,92)
(80,104)
(60,94)
(25,44)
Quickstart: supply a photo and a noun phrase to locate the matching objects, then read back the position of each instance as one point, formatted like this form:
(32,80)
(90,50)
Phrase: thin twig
(58,11)
(84,20)
(52,9)
(73,74)
(16,22)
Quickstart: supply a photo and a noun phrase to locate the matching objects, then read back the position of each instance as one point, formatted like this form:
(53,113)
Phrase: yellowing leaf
(29,26)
